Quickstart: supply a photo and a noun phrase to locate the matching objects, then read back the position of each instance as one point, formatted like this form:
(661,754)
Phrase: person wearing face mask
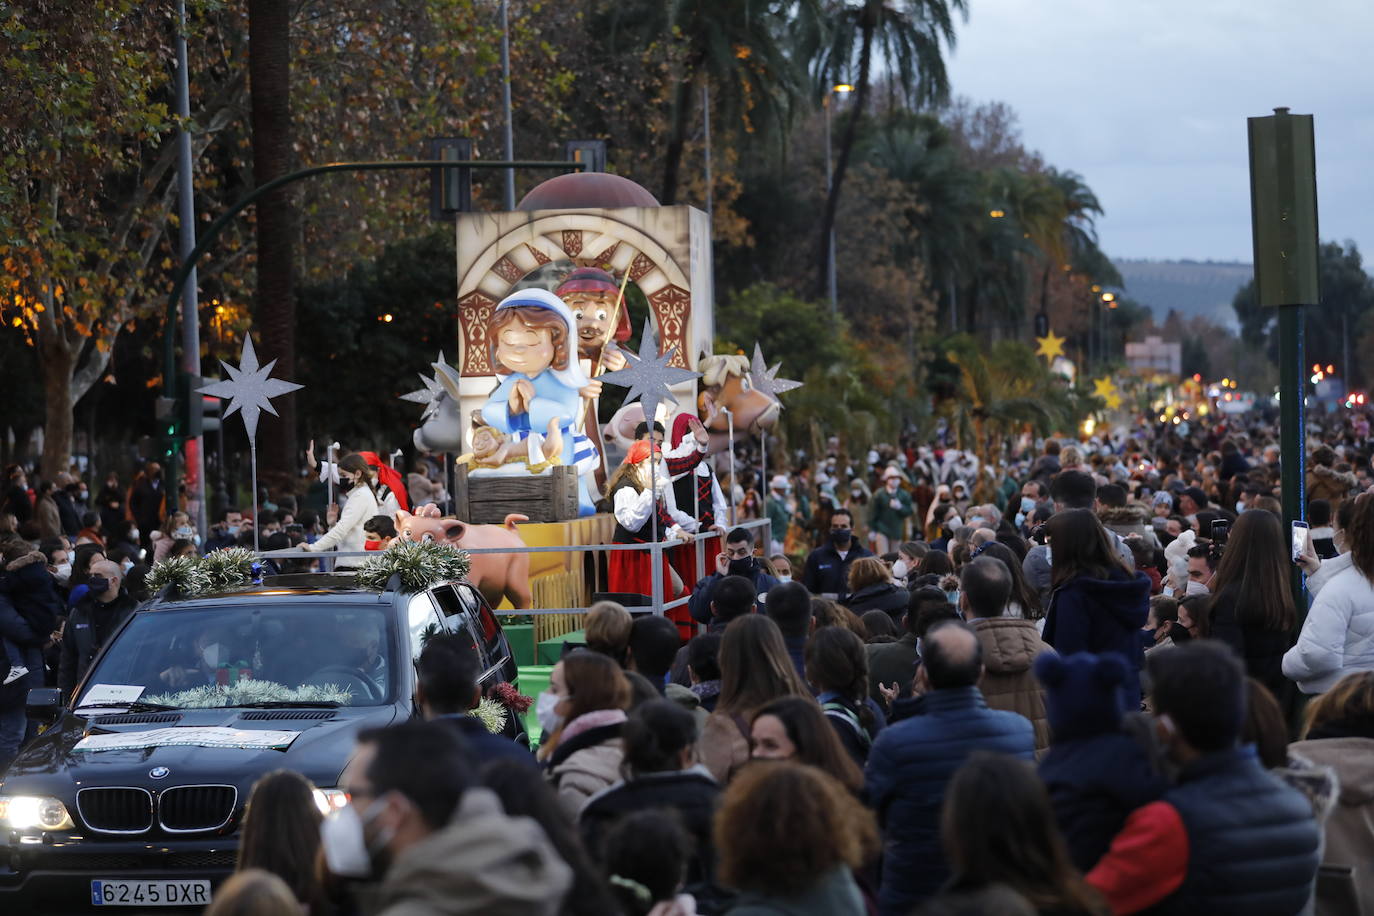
(99,613)
(1228,837)
(889,511)
(359,482)
(225,532)
(582,713)
(432,839)
(736,560)
(827,567)
(210,651)
(175,526)
(147,502)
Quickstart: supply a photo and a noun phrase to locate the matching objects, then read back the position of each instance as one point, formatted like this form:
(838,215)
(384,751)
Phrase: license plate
(150,893)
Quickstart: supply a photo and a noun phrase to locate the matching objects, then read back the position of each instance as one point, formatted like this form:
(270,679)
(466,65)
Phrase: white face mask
(343,840)
(345,849)
(126,566)
(544,710)
(899,570)
(954,523)
(215,654)
(784,579)
(1240,507)
(62,572)
(133,534)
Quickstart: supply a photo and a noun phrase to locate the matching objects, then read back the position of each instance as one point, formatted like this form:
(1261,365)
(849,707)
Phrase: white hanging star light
(431,393)
(766,380)
(250,388)
(648,375)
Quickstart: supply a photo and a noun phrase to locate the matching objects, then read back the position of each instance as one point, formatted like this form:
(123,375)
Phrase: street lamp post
(838,89)
(505,102)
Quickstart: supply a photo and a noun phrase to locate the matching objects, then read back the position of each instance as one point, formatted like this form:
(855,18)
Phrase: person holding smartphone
(1337,637)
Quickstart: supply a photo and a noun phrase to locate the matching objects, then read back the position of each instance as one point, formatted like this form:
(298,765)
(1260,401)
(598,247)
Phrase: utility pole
(190,305)
(1283,208)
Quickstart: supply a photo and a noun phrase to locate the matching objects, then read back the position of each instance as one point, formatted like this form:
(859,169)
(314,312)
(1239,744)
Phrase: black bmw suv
(133,797)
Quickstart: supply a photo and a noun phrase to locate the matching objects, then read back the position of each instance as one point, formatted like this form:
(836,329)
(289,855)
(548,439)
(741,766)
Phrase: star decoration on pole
(766,379)
(431,393)
(250,388)
(648,375)
(1050,346)
(1105,389)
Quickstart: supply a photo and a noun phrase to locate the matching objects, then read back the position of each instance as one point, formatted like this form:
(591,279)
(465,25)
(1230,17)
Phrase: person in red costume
(645,510)
(697,493)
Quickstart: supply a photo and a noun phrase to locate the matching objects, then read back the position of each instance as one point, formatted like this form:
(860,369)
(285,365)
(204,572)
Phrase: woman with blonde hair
(789,838)
(608,630)
(871,589)
(755,669)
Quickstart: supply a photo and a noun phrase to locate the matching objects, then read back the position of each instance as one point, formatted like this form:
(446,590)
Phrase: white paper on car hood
(189,736)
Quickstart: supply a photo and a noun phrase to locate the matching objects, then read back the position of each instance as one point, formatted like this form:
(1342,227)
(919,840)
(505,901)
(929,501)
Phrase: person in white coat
(347,534)
(1338,636)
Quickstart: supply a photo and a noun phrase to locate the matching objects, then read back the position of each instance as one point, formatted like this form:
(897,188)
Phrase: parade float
(548,297)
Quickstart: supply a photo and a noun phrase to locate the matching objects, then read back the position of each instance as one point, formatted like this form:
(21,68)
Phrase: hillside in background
(1203,288)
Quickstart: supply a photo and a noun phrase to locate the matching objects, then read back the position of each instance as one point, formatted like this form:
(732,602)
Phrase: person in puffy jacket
(1337,637)
(871,589)
(1098,603)
(913,760)
(1096,773)
(1010,644)
(1228,837)
(584,712)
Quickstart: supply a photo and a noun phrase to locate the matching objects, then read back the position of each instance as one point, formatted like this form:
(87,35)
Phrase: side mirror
(44,704)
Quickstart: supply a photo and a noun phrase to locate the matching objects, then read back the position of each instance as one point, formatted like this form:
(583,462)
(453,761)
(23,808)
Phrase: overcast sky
(1147,99)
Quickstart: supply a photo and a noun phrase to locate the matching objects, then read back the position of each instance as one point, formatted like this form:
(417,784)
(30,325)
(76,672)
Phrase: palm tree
(1000,391)
(734,46)
(269,69)
(910,35)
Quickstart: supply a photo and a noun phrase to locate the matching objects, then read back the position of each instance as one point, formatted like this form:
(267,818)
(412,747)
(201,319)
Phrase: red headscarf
(389,476)
(639,451)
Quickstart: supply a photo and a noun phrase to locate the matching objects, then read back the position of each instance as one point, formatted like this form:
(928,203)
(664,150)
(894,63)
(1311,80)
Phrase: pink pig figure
(495,575)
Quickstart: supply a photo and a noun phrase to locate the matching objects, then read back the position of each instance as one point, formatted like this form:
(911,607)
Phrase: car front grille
(65,860)
(116,810)
(189,809)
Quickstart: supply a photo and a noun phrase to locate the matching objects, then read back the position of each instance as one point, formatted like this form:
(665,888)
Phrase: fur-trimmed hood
(27,559)
(1123,516)
(1333,477)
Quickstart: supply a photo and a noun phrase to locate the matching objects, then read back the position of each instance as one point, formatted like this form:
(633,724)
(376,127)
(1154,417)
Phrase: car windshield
(243,654)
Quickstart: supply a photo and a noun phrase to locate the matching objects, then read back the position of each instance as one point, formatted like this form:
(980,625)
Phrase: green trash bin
(534,679)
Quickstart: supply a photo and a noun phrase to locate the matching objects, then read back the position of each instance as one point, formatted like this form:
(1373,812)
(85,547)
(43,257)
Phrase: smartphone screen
(1299,539)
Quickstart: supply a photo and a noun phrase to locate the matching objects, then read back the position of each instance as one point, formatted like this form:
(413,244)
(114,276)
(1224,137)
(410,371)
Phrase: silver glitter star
(250,389)
(431,393)
(766,380)
(648,375)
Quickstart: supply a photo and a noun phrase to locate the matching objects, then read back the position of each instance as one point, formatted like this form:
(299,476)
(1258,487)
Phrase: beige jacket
(586,772)
(1010,646)
(484,862)
(722,748)
(1349,828)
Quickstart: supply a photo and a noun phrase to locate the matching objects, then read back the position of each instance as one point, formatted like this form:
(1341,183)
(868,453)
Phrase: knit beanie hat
(1082,693)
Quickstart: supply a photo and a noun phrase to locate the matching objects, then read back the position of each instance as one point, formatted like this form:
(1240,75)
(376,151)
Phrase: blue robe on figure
(557,394)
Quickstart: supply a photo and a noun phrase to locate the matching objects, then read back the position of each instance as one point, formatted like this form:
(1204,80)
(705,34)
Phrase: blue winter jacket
(1102,615)
(1252,840)
(908,768)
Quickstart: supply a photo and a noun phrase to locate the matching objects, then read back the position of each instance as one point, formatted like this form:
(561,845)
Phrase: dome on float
(586,191)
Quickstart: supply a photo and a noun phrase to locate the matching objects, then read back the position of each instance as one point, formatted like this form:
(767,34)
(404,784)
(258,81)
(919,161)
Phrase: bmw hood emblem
(159,772)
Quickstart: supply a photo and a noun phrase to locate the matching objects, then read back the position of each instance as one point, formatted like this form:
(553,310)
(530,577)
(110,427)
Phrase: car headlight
(328,800)
(24,812)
